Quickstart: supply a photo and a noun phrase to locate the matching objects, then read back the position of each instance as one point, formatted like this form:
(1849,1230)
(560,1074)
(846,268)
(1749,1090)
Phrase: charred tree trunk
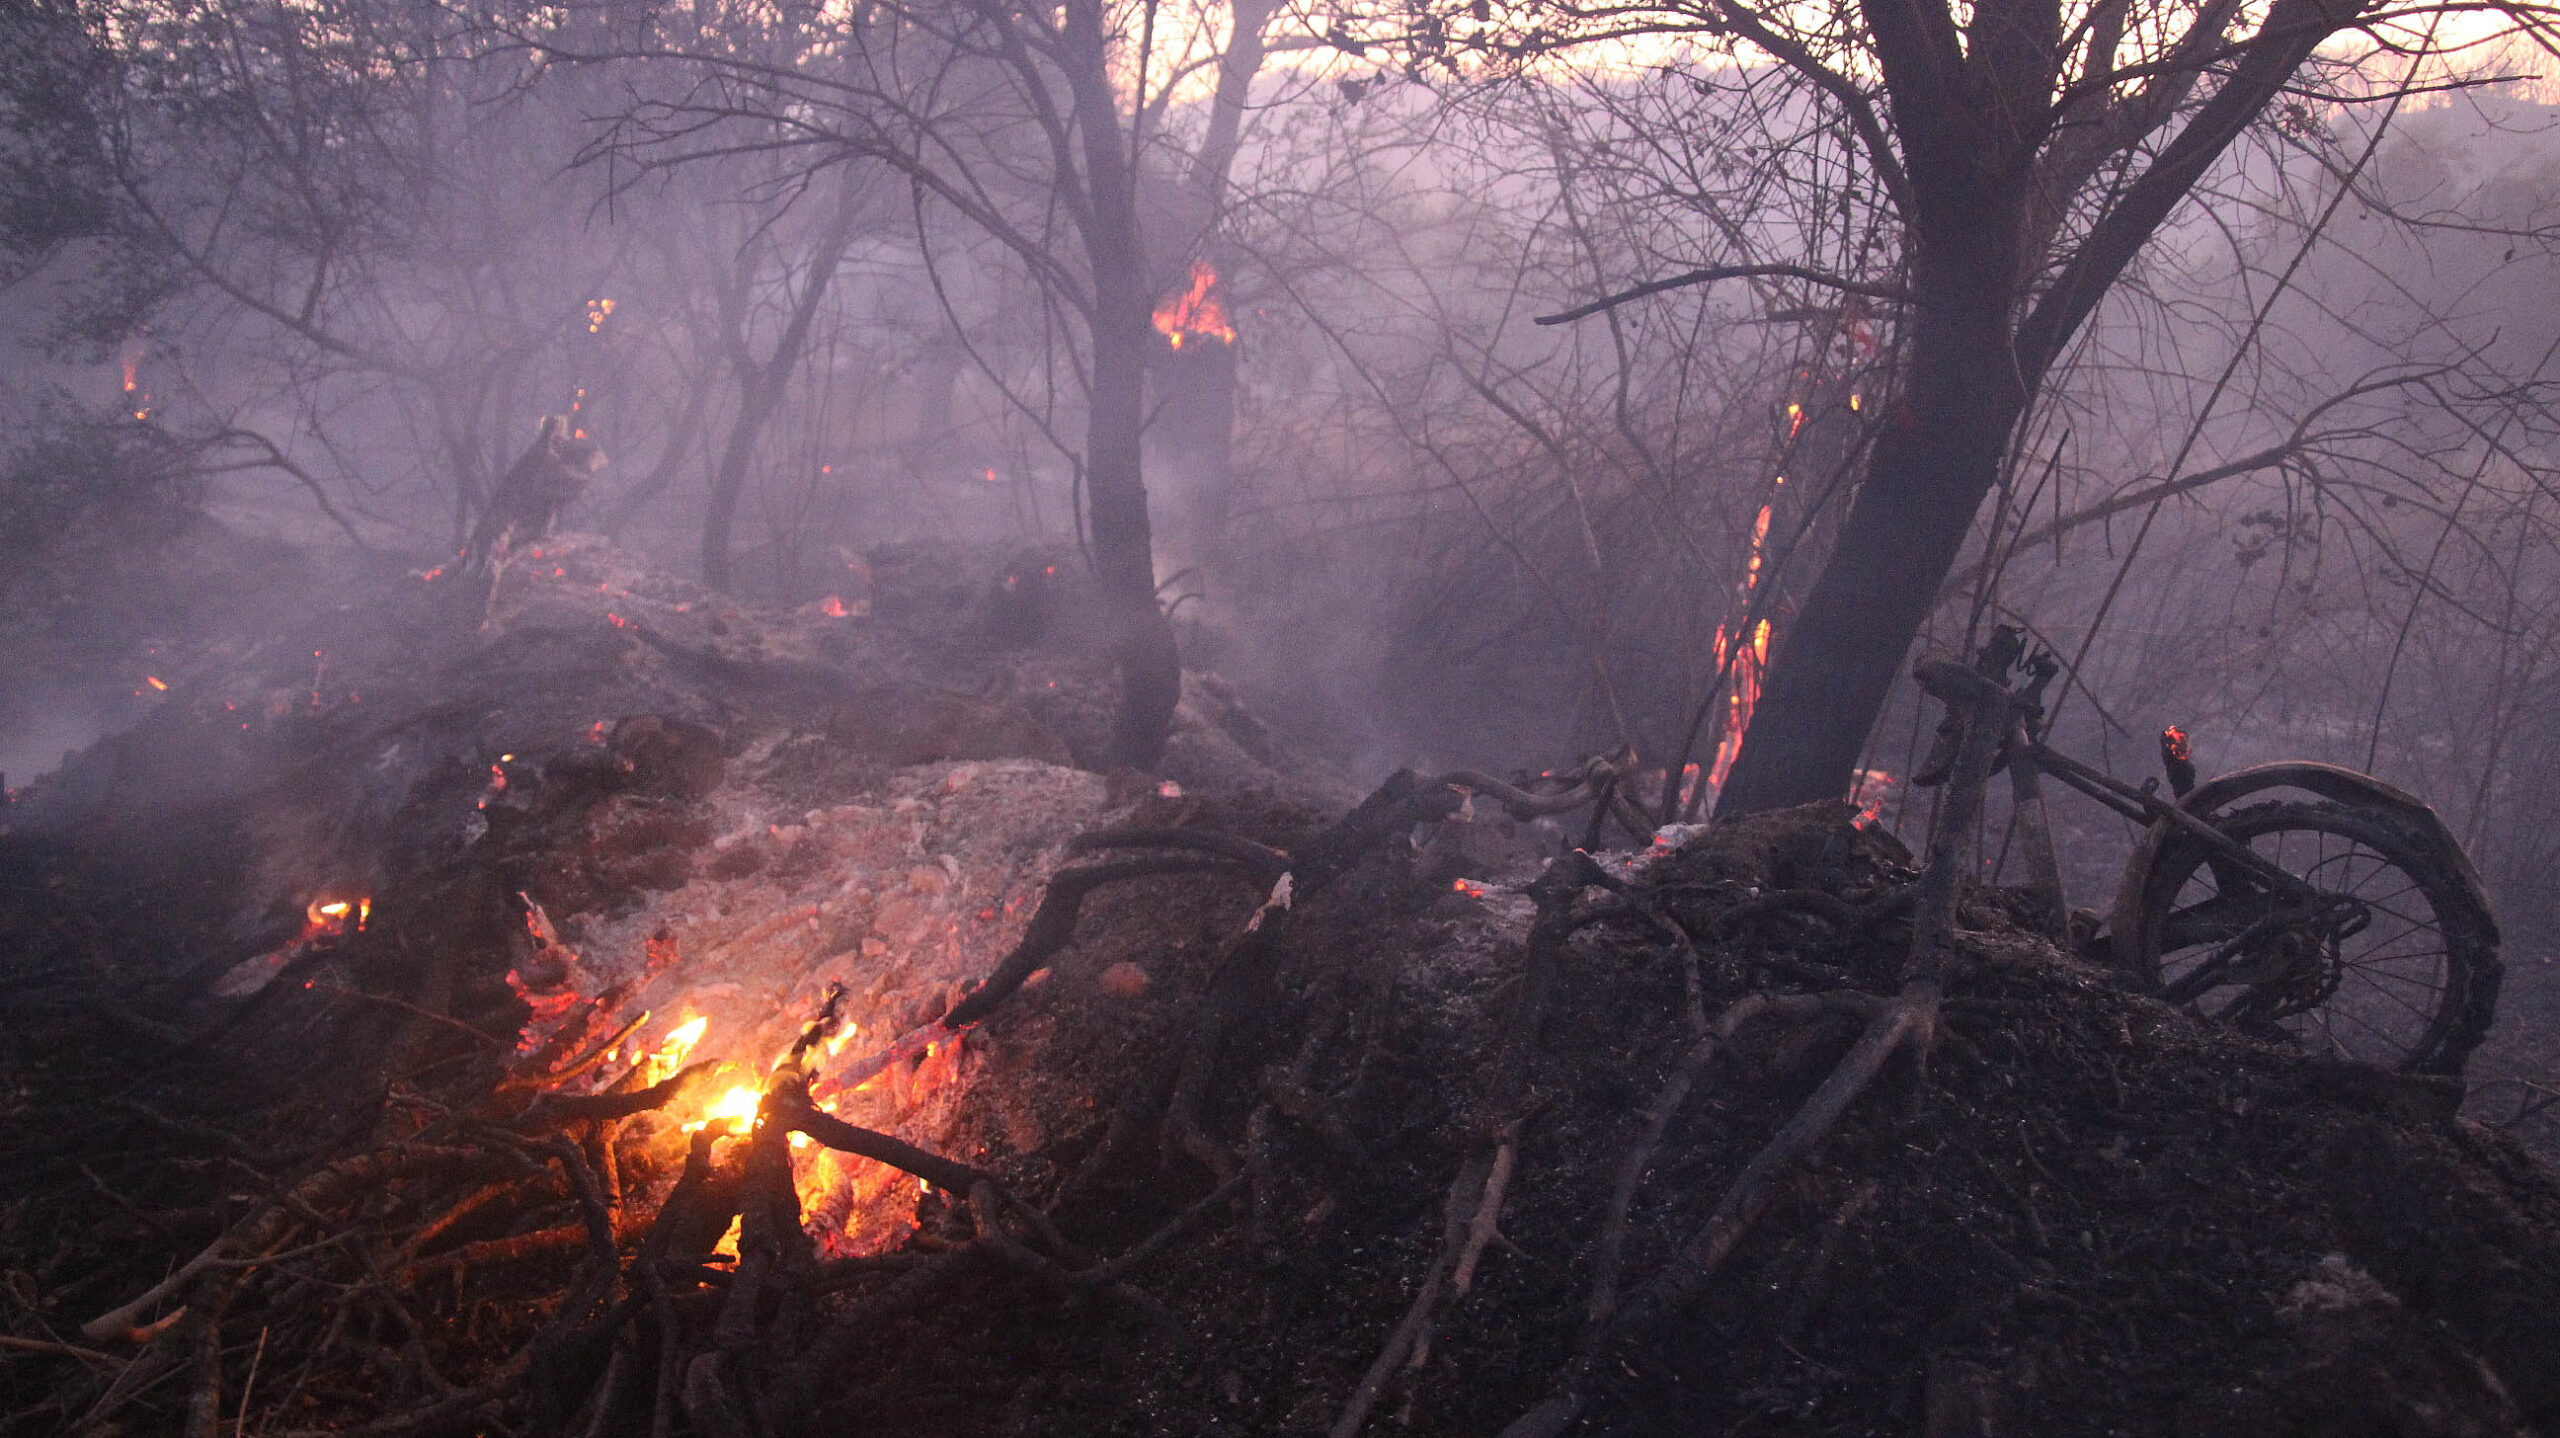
(1936,458)
(1115,482)
(1980,170)
(1196,381)
(1194,439)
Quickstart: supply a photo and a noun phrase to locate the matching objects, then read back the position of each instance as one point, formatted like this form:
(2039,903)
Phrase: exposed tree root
(1909,1022)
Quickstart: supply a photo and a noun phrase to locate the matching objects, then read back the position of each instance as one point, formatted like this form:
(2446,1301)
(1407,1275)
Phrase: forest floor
(1434,1147)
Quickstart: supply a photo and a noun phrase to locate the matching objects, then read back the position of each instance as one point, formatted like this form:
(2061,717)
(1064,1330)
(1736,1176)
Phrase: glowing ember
(2173,742)
(1868,789)
(329,914)
(1197,312)
(834,607)
(134,393)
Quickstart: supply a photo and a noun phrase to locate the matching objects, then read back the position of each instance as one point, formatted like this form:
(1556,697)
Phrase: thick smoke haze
(293,286)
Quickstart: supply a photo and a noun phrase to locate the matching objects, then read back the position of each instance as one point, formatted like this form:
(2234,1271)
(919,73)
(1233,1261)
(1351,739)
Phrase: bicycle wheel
(2395,964)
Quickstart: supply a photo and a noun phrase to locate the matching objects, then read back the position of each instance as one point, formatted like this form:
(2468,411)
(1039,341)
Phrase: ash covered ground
(368,1169)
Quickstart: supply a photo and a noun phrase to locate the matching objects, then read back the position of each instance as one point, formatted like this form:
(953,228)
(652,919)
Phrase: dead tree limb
(1909,1020)
(557,1109)
(795,1113)
(1466,1191)
(1498,1112)
(1267,863)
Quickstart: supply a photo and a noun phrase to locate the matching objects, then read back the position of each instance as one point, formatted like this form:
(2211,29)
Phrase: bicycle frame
(2028,756)
(2144,806)
(2278,941)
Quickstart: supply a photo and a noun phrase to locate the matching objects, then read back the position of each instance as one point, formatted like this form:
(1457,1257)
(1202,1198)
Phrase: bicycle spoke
(2399,1046)
(2389,993)
(2389,968)
(2421,1015)
(2375,954)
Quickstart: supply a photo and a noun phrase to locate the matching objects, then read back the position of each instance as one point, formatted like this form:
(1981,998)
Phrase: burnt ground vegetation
(1401,1156)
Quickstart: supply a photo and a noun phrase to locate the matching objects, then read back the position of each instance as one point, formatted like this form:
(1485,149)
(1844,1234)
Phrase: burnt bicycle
(2294,898)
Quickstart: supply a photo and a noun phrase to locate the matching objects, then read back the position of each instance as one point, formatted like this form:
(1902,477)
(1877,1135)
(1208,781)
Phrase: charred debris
(607,1008)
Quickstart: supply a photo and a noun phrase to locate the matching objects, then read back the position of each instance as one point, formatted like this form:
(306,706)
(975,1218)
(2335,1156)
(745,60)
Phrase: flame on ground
(1197,312)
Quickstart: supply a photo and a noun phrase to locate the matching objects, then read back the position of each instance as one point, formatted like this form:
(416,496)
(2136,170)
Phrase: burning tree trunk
(2028,162)
(1193,436)
(1936,458)
(1196,369)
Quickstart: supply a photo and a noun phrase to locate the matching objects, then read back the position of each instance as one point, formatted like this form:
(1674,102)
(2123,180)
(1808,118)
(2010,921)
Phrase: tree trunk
(1123,541)
(756,400)
(1937,457)
(1196,383)
(1968,123)
(1115,485)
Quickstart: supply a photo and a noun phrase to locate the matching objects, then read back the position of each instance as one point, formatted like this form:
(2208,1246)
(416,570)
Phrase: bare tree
(2029,151)
(1034,125)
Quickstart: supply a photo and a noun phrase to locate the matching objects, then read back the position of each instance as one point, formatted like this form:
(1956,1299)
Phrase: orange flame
(734,1109)
(1868,789)
(676,1047)
(1196,311)
(1748,658)
(329,915)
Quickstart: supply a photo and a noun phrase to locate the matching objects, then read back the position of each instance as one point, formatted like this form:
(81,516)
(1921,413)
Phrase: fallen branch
(1908,1021)
(1267,863)
(1472,1190)
(1488,1217)
(1051,926)
(784,1107)
(574,1108)
(264,1227)
(1466,1195)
